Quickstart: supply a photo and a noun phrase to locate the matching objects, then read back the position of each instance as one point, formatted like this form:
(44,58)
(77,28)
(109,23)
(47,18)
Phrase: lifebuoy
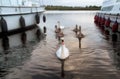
(115,27)
(44,18)
(22,22)
(107,22)
(37,18)
(23,38)
(5,43)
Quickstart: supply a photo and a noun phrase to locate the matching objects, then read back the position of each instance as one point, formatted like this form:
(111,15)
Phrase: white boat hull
(12,16)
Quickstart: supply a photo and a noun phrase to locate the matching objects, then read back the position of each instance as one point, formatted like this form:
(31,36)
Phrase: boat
(108,18)
(19,20)
(63,52)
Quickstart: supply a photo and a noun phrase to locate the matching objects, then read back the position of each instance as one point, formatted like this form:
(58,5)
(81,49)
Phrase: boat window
(118,1)
(19,2)
(107,8)
(14,2)
(5,3)
(10,2)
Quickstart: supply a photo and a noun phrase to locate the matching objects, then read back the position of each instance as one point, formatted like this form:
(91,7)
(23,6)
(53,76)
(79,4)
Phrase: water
(95,60)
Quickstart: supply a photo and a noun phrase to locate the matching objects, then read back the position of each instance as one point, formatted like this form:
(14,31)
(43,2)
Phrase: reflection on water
(116,54)
(16,56)
(95,60)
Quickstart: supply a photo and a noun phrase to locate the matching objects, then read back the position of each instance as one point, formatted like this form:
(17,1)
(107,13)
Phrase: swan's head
(62,41)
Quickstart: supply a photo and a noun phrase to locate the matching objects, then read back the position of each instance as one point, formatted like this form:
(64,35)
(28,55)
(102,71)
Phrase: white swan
(61,27)
(63,52)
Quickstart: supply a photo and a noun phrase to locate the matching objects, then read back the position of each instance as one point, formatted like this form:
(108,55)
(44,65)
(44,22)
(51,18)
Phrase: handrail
(22,6)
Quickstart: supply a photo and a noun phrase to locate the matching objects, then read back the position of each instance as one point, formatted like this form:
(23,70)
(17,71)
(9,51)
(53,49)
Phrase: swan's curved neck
(62,50)
(58,24)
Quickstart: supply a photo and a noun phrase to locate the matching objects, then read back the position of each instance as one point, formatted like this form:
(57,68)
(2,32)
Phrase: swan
(76,29)
(61,27)
(79,34)
(63,52)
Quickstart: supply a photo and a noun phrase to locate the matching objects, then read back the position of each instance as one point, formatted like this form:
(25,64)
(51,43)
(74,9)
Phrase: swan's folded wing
(62,54)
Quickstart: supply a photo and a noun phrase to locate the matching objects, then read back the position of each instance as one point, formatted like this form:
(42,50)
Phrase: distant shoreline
(72,8)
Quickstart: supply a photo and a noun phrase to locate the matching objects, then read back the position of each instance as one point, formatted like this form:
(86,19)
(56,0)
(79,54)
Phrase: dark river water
(97,58)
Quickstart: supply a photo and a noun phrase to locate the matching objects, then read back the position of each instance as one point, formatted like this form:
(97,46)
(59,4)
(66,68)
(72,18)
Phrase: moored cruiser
(109,18)
(19,22)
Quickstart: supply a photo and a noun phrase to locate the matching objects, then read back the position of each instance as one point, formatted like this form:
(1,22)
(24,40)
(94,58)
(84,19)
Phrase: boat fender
(5,43)
(44,29)
(38,34)
(99,21)
(107,32)
(107,22)
(115,27)
(95,18)
(102,28)
(22,22)
(44,18)
(118,54)
(4,27)
(103,21)
(114,37)
(37,18)
(23,38)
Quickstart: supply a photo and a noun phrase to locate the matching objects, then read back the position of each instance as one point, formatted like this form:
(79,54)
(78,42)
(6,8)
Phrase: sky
(73,2)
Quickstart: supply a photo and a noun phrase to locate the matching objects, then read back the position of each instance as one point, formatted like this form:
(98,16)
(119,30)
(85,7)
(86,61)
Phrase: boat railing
(108,2)
(6,10)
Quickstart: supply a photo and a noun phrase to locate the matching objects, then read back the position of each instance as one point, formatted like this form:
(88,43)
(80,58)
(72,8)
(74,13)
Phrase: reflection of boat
(109,17)
(63,52)
(19,17)
(14,58)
